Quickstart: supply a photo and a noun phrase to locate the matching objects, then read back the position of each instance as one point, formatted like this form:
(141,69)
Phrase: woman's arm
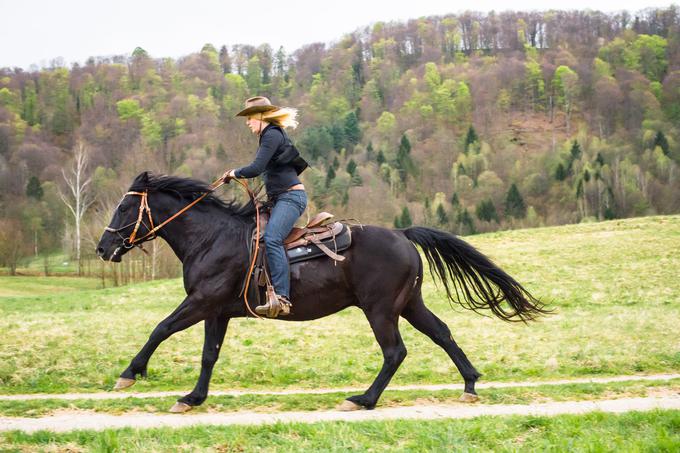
(270,142)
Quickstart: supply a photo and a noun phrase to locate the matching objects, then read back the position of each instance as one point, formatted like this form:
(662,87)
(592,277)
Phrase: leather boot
(275,306)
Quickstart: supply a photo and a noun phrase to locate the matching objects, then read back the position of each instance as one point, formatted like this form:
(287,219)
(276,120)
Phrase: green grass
(21,287)
(318,402)
(657,431)
(614,284)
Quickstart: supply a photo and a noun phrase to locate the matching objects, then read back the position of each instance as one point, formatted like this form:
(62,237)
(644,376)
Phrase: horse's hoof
(123,383)
(348,405)
(180,408)
(468,398)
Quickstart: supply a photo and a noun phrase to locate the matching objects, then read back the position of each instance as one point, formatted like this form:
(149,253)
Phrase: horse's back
(377,265)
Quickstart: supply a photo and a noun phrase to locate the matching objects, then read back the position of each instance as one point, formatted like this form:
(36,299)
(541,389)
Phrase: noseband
(130,241)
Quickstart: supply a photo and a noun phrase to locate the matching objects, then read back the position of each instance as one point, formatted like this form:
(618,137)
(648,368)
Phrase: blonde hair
(284,117)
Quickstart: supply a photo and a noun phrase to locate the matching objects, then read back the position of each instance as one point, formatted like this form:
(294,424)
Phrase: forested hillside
(469,123)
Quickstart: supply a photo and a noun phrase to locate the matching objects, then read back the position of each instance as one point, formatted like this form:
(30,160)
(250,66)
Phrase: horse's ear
(142,178)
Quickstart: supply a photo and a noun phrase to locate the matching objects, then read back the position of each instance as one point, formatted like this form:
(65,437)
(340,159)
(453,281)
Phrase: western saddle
(316,239)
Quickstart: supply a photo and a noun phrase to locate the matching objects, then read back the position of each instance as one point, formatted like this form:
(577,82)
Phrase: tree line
(470,123)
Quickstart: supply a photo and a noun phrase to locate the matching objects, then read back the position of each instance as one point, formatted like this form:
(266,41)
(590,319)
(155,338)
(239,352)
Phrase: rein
(134,241)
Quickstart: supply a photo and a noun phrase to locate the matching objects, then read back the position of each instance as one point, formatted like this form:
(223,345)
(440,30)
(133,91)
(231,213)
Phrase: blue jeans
(288,208)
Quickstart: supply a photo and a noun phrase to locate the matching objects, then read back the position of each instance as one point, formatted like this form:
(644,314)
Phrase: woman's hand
(229,175)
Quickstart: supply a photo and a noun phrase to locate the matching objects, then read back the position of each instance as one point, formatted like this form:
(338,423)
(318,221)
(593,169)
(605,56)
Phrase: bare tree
(80,198)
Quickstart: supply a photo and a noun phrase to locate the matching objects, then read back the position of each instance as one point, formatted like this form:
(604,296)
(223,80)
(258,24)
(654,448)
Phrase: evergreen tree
(560,172)
(599,159)
(514,203)
(369,152)
(455,202)
(575,150)
(486,211)
(404,145)
(330,175)
(404,164)
(225,60)
(442,217)
(471,138)
(465,223)
(405,220)
(352,132)
(660,140)
(397,222)
(336,163)
(34,189)
(380,158)
(351,167)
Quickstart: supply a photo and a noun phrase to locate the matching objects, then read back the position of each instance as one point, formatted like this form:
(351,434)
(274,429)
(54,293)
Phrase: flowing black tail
(484,285)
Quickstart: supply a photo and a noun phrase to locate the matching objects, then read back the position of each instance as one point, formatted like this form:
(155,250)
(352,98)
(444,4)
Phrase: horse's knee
(394,356)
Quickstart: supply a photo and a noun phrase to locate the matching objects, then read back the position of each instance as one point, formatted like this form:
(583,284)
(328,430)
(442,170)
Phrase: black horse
(382,275)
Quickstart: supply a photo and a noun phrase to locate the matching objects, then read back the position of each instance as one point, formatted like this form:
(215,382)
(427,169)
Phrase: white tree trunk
(80,199)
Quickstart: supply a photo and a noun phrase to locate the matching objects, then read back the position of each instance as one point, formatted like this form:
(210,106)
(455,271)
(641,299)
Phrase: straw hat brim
(257,109)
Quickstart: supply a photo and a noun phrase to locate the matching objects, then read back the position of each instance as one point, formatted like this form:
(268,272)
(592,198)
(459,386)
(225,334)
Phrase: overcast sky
(37,31)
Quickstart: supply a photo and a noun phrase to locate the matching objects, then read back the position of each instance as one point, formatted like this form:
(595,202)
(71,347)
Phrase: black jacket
(277,177)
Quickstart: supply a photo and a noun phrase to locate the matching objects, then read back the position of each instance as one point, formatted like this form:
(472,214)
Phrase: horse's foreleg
(184,316)
(215,328)
(386,332)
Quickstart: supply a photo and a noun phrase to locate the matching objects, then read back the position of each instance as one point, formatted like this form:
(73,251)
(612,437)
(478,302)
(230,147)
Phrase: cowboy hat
(257,104)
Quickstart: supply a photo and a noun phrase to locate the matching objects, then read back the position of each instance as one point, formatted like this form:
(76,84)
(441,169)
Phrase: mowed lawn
(615,287)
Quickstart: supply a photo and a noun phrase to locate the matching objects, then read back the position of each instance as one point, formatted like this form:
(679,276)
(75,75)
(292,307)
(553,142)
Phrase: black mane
(189,189)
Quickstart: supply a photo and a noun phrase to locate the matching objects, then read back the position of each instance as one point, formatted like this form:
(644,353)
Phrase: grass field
(657,431)
(614,286)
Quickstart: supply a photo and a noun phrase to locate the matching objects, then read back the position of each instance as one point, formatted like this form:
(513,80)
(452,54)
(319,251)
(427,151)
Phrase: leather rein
(134,241)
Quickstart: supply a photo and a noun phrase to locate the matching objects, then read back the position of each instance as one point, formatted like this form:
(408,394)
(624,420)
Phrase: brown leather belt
(296,187)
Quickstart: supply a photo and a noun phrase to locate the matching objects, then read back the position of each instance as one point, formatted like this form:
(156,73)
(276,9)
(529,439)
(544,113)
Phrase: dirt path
(67,421)
(434,387)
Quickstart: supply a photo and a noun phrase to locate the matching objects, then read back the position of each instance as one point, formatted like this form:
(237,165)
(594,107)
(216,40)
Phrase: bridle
(134,241)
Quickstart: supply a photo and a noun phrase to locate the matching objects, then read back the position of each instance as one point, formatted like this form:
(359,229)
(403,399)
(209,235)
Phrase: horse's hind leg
(184,316)
(215,328)
(386,332)
(425,321)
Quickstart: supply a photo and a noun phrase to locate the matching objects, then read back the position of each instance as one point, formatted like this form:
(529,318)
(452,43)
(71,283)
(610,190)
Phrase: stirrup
(275,306)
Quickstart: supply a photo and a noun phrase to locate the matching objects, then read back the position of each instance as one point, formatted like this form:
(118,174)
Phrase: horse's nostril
(100,251)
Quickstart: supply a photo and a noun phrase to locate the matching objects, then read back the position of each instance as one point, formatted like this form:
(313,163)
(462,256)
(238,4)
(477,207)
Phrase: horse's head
(131,223)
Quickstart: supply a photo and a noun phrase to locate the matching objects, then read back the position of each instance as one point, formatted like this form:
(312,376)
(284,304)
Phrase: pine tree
(34,189)
(351,167)
(660,140)
(442,217)
(380,158)
(369,151)
(575,150)
(455,202)
(465,223)
(486,211)
(471,138)
(352,132)
(405,220)
(560,172)
(330,175)
(514,203)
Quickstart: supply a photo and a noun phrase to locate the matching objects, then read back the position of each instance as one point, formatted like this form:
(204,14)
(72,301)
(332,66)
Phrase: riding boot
(275,305)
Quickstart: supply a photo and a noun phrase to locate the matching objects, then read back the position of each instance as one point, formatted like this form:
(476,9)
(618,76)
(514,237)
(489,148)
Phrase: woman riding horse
(280,164)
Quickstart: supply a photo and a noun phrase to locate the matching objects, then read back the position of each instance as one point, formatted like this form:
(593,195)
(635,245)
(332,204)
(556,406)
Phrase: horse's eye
(122,208)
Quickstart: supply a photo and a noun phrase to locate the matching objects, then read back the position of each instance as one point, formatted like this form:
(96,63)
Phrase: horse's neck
(189,234)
